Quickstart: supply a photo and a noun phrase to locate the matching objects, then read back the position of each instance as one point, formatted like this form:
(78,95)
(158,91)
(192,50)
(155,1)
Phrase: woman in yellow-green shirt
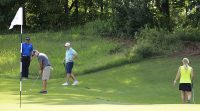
(185,74)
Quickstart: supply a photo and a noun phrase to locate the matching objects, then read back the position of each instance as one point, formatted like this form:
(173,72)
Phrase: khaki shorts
(46,73)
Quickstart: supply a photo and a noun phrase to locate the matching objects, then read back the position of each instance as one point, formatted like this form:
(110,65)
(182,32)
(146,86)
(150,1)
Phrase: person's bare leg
(68,77)
(189,96)
(73,77)
(44,85)
(183,97)
(75,80)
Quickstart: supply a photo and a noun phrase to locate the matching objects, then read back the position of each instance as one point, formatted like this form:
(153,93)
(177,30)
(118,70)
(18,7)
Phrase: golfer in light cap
(185,76)
(70,55)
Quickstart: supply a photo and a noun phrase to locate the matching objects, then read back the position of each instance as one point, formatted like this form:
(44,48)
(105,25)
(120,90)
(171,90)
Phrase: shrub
(154,42)
(188,34)
(98,27)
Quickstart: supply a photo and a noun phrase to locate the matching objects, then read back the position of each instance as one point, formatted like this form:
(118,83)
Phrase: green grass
(102,69)
(94,53)
(146,82)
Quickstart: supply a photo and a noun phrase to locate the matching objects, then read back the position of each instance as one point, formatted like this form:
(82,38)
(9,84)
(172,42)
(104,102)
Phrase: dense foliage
(124,16)
(154,42)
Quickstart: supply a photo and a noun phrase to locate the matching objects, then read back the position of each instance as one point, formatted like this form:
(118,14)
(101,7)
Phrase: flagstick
(21,66)
(18,20)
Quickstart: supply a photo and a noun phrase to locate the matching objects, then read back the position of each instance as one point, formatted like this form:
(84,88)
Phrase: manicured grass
(145,82)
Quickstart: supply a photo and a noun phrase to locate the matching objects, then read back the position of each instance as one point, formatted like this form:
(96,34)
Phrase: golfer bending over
(45,68)
(70,55)
(185,74)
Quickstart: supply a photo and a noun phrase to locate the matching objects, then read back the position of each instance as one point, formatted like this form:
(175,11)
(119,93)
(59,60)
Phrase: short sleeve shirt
(69,55)
(42,58)
(27,48)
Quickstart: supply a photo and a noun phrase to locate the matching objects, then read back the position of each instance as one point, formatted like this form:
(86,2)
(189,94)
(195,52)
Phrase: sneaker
(75,83)
(43,92)
(65,84)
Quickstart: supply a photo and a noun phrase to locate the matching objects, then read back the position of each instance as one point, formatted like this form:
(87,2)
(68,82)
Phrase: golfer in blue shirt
(27,49)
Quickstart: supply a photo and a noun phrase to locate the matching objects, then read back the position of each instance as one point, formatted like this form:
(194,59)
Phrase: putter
(34,82)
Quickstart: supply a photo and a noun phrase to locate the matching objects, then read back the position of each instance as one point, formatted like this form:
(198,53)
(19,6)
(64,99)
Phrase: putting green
(100,107)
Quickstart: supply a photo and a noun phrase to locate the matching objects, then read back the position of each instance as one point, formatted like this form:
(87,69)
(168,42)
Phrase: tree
(131,15)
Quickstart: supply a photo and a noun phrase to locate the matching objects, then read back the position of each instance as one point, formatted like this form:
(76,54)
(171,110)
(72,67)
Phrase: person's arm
(192,76)
(40,65)
(75,56)
(177,76)
(31,52)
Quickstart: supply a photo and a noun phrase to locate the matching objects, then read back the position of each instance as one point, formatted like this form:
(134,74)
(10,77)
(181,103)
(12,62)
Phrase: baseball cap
(67,44)
(27,38)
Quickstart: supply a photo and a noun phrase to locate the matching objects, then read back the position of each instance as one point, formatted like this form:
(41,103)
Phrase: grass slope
(94,53)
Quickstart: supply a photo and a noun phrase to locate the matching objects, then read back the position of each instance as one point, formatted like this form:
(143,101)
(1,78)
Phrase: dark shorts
(69,67)
(185,86)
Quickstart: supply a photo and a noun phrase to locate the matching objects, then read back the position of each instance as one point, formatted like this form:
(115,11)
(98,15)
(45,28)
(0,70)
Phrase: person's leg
(28,64)
(75,80)
(68,77)
(45,77)
(188,96)
(44,85)
(23,67)
(68,73)
(183,96)
(73,77)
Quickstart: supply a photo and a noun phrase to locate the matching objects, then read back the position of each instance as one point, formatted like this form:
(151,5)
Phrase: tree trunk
(85,6)
(101,6)
(66,8)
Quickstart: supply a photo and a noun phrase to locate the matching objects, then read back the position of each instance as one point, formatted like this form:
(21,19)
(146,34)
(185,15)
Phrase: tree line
(125,17)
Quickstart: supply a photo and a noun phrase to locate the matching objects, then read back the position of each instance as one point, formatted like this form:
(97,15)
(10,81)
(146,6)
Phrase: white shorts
(46,73)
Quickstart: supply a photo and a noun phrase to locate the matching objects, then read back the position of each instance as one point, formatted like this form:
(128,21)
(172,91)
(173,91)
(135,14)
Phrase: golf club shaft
(35,81)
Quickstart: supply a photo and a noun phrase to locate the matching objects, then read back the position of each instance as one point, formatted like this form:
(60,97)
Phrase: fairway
(100,107)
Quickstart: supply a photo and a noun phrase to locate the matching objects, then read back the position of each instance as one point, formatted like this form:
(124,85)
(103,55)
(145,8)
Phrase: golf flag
(18,20)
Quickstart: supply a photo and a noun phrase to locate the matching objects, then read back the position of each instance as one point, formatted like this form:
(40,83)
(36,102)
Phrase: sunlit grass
(146,82)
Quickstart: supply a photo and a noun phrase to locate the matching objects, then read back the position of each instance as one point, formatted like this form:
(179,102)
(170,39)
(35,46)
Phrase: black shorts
(185,86)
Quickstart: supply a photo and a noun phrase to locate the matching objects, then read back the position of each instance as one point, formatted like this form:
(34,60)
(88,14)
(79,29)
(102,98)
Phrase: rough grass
(94,53)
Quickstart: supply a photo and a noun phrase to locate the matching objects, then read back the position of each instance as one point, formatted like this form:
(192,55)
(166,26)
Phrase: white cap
(67,44)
